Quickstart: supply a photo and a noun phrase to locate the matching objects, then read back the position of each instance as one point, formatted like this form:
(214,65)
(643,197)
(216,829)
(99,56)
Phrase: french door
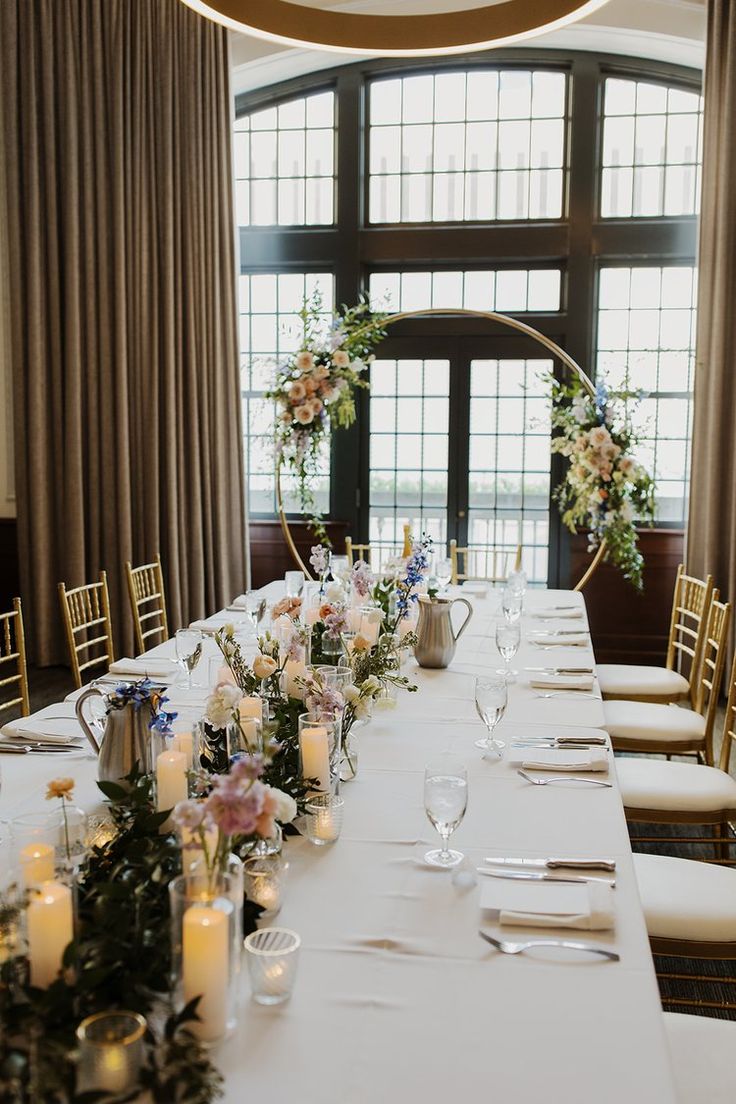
(455,442)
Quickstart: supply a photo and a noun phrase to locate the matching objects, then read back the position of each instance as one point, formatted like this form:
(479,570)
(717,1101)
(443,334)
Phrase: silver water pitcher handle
(463,627)
(83,720)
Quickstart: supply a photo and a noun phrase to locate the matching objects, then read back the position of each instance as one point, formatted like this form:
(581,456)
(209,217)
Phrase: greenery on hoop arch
(605,489)
(314,391)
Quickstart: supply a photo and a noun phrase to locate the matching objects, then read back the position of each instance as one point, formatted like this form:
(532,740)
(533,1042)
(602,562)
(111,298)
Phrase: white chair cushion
(649,721)
(685,899)
(628,679)
(702,1052)
(653,784)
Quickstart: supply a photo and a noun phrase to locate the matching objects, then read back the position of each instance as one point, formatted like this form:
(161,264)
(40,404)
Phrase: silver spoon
(563,778)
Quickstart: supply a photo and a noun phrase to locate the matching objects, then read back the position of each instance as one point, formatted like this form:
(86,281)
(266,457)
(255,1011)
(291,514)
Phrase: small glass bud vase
(333,650)
(111,1052)
(203,941)
(349,755)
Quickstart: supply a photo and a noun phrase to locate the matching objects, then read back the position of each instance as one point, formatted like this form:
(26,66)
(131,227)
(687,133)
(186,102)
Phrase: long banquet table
(397,998)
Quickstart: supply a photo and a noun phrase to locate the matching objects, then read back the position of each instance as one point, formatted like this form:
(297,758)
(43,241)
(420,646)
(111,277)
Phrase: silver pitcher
(436,638)
(127,738)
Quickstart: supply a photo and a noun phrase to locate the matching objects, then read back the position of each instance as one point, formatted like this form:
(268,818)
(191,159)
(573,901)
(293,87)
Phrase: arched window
(560,188)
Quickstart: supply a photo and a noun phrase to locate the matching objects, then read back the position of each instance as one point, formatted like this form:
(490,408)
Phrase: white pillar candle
(225,675)
(294,669)
(371,627)
(37,864)
(205,961)
(171,779)
(283,628)
(251,707)
(315,753)
(50,928)
(355,619)
(311,616)
(250,729)
(184,742)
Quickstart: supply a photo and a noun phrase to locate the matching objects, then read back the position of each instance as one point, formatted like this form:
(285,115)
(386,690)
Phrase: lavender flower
(323,701)
(362,578)
(336,624)
(320,559)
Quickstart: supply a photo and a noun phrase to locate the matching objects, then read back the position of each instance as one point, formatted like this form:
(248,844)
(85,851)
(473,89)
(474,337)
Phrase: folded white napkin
(561,682)
(548,614)
(568,759)
(241,602)
(478,588)
(597,916)
(145,668)
(61,730)
(571,639)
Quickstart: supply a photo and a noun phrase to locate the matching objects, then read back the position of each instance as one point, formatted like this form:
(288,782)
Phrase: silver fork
(570,694)
(506,947)
(562,778)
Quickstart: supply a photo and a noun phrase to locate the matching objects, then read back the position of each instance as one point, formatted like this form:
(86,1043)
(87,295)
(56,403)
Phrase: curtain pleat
(711,542)
(117,132)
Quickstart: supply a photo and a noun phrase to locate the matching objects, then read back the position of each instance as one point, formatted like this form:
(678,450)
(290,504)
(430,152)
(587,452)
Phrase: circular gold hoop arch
(492,316)
(448,32)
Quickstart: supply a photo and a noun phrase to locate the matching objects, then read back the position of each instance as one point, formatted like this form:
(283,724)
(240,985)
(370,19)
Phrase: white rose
(334,594)
(221,705)
(285,806)
(351,693)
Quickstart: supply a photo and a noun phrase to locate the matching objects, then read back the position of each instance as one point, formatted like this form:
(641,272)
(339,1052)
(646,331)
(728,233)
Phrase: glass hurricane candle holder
(323,818)
(319,751)
(34,848)
(111,1051)
(264,878)
(273,954)
(203,963)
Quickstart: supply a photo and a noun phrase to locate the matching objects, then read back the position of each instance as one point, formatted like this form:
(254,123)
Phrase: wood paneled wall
(628,627)
(269,555)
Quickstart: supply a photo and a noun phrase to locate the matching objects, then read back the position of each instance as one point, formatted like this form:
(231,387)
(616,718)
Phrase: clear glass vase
(349,755)
(204,964)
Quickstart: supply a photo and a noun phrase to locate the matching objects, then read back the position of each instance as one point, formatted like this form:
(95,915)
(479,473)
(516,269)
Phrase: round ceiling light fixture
(448,32)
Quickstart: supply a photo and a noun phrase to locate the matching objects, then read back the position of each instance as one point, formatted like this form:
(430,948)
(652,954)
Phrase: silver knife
(562,670)
(541,876)
(560,632)
(29,749)
(561,741)
(552,864)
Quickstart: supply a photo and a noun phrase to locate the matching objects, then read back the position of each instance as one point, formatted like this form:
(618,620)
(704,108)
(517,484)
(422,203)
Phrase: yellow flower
(60,787)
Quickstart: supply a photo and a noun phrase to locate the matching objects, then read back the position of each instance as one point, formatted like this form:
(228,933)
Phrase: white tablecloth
(397,998)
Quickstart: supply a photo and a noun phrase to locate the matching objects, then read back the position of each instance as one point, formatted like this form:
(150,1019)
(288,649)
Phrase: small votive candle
(171,779)
(263,879)
(324,818)
(272,960)
(50,927)
(315,755)
(111,1048)
(36,864)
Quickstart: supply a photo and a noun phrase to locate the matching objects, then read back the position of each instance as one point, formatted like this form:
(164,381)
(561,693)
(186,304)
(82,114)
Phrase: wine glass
(443,573)
(188,651)
(511,604)
(491,696)
(507,642)
(445,802)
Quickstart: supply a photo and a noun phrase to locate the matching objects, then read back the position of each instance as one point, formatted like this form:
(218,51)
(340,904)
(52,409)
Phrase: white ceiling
(665,30)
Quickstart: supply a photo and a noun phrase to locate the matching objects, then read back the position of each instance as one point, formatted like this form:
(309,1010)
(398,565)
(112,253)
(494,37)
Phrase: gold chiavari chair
(655,792)
(13,658)
(490,565)
(678,678)
(357,551)
(148,603)
(86,614)
(667,729)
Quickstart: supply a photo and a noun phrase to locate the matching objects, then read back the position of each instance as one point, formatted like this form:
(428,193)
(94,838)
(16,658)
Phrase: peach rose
(60,787)
(297,391)
(320,372)
(340,359)
(264,666)
(304,360)
(303,414)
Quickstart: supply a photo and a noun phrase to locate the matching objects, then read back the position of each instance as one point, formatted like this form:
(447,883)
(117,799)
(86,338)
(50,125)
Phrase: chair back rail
(13,666)
(147,603)
(85,611)
(688,625)
(712,667)
(473,563)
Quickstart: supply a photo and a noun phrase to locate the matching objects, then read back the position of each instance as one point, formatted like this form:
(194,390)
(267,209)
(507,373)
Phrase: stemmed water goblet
(188,651)
(491,696)
(445,802)
(443,573)
(517,581)
(511,604)
(507,642)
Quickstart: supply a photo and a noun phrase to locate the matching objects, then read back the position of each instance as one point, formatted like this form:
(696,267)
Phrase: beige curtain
(117,123)
(711,543)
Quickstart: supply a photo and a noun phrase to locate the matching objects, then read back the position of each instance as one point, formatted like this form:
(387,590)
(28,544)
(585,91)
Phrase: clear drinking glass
(272,954)
(517,580)
(189,643)
(507,642)
(339,568)
(445,802)
(511,604)
(443,573)
(111,1052)
(491,696)
(294,581)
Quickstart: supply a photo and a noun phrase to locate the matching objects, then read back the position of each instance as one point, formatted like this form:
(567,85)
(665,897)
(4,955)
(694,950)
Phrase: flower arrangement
(314,391)
(605,489)
(140,694)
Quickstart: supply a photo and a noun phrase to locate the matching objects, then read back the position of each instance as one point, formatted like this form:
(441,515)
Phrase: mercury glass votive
(264,883)
(323,818)
(111,1047)
(272,954)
